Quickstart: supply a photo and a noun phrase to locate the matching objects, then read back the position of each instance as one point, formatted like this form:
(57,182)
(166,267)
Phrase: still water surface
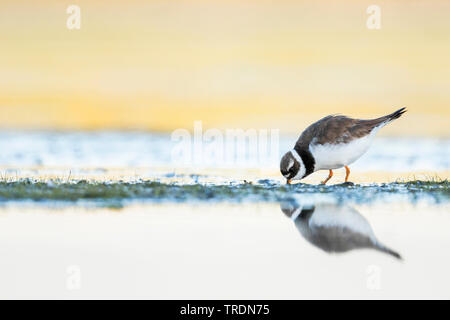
(226,250)
(392,245)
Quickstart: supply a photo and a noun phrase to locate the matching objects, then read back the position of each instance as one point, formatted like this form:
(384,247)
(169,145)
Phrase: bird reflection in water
(334,228)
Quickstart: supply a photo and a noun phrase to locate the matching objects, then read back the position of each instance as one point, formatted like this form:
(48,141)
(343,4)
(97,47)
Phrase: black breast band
(307,159)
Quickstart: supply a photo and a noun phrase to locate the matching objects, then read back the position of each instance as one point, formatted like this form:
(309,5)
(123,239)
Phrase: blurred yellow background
(160,65)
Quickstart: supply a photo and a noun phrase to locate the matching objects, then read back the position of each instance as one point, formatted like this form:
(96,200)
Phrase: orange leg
(329,177)
(347,173)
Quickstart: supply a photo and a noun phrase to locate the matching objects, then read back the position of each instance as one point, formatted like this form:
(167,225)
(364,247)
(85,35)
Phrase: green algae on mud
(262,190)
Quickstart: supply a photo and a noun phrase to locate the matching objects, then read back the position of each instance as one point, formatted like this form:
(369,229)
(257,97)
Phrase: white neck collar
(301,173)
(296,213)
(296,155)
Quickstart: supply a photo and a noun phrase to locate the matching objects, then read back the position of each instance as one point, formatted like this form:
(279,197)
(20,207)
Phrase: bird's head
(294,209)
(288,207)
(292,167)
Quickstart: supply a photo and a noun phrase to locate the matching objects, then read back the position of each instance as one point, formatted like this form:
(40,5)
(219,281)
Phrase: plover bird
(332,143)
(334,228)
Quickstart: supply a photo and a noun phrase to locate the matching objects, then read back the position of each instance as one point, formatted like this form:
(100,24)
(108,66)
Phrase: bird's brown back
(335,129)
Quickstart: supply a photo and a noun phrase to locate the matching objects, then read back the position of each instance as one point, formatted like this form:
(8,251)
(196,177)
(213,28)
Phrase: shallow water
(142,227)
(252,250)
(117,149)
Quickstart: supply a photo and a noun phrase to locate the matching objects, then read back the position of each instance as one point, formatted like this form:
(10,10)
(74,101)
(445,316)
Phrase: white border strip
(296,156)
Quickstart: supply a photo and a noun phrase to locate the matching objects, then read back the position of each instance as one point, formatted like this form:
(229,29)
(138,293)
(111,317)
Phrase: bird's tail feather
(395,115)
(383,248)
(386,119)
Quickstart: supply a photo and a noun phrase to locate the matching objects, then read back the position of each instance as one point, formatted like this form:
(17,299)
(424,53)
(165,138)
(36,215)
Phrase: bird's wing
(332,129)
(338,129)
(341,129)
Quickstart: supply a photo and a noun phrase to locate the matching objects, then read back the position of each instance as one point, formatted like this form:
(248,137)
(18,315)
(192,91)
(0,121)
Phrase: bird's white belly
(334,156)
